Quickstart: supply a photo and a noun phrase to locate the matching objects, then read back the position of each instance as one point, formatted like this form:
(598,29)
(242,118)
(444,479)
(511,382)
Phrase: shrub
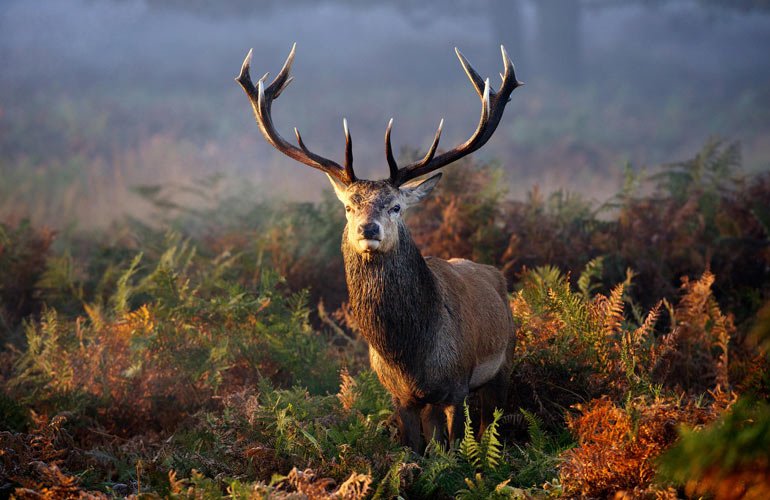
(728,459)
(617,446)
(197,337)
(23,254)
(572,347)
(463,216)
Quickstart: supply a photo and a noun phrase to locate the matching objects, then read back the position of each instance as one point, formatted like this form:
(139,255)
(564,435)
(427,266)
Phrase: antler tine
(299,140)
(432,151)
(394,170)
(392,165)
(262,98)
(348,151)
(282,80)
(434,145)
(476,80)
(492,107)
(509,77)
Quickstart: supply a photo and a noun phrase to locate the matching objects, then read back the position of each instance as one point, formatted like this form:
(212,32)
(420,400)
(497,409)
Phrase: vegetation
(211,353)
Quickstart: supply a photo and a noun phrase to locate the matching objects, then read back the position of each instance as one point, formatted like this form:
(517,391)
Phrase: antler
(261,101)
(492,107)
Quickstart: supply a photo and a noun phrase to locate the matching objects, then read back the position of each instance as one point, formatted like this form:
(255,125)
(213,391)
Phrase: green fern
(483,454)
(538,461)
(371,397)
(477,489)
(390,486)
(490,447)
(441,471)
(543,278)
(476,464)
(481,488)
(537,438)
(43,366)
(59,284)
(592,272)
(124,289)
(470,450)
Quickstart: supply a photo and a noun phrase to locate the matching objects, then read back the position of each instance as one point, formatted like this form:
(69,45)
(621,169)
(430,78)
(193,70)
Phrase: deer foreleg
(408,420)
(492,395)
(434,424)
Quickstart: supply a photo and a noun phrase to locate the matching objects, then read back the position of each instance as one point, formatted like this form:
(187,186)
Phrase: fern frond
(347,394)
(592,271)
(390,485)
(720,335)
(547,276)
(123,288)
(537,439)
(440,471)
(613,311)
(490,447)
(476,489)
(645,329)
(469,448)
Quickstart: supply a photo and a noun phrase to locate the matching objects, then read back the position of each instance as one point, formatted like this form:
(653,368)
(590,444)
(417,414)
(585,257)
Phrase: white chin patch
(368,245)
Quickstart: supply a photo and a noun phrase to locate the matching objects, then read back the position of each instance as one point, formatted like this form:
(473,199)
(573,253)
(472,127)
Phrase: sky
(133,92)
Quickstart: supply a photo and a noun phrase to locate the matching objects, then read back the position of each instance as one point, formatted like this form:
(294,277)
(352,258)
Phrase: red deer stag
(437,329)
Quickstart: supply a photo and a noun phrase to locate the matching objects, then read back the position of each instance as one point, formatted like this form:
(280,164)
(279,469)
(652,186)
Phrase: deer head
(374,209)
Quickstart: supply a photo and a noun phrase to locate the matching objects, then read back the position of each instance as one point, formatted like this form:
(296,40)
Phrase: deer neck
(394,299)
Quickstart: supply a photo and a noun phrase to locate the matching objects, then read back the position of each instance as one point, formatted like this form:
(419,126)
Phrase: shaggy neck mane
(394,299)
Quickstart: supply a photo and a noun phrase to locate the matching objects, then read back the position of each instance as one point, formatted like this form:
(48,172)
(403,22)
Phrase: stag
(437,329)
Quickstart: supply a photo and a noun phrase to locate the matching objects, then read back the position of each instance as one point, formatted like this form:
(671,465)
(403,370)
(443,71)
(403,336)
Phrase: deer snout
(369,237)
(369,231)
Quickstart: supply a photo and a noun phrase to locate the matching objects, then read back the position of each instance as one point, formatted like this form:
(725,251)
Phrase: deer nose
(369,231)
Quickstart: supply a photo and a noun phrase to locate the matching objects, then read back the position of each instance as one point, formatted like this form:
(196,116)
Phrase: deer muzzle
(370,237)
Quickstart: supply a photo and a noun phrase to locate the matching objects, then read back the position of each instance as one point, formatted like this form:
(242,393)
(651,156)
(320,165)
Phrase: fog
(106,95)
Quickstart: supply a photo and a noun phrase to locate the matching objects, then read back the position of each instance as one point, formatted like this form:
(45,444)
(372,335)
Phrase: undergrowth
(184,359)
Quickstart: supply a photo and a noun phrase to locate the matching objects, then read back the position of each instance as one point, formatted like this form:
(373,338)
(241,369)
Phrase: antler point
(244,74)
(260,92)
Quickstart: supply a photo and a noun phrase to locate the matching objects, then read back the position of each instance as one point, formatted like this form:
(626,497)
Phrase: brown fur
(433,325)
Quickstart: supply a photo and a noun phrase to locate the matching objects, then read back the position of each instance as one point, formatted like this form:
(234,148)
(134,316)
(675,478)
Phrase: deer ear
(417,190)
(340,189)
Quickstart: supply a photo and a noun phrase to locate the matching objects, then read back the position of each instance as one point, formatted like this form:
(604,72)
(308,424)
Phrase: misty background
(100,97)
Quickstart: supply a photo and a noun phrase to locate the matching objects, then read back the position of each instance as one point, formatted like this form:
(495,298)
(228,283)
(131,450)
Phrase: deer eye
(396,209)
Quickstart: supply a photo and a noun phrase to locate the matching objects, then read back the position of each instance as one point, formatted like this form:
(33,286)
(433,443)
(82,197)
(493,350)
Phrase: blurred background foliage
(99,97)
